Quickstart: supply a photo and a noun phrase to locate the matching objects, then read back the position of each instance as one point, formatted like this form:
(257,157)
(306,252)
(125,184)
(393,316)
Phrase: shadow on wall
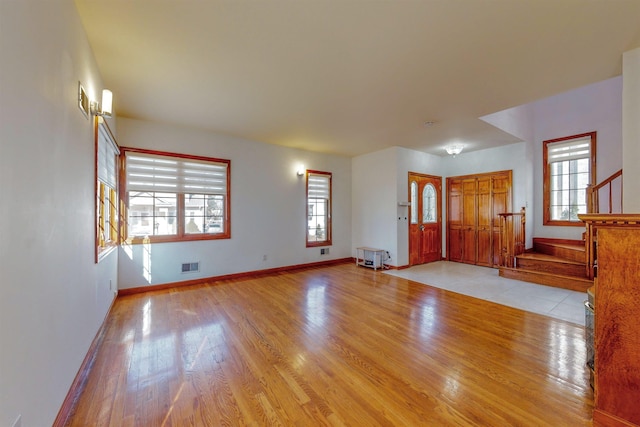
(137,263)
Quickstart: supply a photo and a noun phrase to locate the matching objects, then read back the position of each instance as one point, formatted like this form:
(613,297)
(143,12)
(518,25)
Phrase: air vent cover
(189,267)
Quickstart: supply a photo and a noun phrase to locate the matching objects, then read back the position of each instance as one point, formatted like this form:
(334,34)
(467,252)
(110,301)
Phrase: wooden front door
(425,218)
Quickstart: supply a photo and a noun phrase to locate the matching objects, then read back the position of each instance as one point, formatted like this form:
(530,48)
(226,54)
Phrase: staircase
(553,262)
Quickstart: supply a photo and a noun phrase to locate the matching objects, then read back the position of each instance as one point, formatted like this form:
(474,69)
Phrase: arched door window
(429,204)
(414,202)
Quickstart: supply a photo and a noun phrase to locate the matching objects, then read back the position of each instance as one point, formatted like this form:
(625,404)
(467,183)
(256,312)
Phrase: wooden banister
(512,237)
(592,221)
(593,194)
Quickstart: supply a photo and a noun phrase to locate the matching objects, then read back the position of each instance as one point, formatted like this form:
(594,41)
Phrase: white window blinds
(569,150)
(107,152)
(318,186)
(147,172)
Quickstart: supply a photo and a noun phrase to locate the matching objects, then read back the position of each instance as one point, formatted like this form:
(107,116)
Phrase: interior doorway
(425,218)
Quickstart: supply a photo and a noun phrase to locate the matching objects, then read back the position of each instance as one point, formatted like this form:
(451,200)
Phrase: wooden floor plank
(332,346)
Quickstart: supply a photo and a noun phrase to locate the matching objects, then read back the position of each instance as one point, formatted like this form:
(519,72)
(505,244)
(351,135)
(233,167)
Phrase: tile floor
(484,283)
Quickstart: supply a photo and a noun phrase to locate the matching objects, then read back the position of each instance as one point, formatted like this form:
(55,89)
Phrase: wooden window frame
(328,240)
(106,237)
(546,166)
(181,235)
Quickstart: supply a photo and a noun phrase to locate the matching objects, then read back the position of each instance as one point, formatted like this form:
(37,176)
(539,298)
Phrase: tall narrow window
(175,197)
(106,189)
(318,208)
(414,202)
(569,167)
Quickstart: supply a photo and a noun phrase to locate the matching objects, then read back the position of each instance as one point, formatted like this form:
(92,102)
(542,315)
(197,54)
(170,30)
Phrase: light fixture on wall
(103,108)
(300,170)
(454,149)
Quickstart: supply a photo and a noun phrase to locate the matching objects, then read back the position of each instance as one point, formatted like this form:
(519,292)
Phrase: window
(176,197)
(569,167)
(414,202)
(429,205)
(318,208)
(106,189)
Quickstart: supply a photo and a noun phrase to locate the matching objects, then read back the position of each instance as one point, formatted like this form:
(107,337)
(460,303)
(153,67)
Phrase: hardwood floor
(342,345)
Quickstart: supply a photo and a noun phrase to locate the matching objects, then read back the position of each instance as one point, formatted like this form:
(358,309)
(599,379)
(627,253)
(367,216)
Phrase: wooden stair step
(551,264)
(569,249)
(543,278)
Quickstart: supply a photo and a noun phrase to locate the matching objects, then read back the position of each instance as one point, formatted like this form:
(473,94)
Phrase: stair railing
(512,237)
(614,182)
(608,187)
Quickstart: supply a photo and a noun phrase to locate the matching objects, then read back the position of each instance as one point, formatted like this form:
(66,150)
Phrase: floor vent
(189,267)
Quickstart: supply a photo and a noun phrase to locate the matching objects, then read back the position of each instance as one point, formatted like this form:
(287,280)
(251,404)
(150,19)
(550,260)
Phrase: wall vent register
(189,267)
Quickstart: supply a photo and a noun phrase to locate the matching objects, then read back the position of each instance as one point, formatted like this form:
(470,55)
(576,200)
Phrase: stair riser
(552,267)
(580,285)
(567,253)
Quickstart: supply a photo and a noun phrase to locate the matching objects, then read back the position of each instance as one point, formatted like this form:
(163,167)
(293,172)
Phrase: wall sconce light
(454,150)
(300,171)
(103,108)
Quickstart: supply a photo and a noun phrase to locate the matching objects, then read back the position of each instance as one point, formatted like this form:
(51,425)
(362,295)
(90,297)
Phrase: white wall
(374,201)
(54,297)
(267,208)
(597,107)
(380,182)
(631,126)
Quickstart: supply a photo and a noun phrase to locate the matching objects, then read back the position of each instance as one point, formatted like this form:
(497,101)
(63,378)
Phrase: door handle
(422,228)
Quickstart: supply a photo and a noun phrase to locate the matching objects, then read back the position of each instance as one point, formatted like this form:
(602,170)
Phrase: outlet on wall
(264,257)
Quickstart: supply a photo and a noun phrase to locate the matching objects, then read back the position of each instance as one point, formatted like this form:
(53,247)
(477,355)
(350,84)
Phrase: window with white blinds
(569,168)
(148,172)
(174,197)
(318,208)
(579,148)
(107,155)
(107,152)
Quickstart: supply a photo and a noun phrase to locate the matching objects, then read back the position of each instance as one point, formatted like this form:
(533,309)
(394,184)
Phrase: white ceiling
(352,76)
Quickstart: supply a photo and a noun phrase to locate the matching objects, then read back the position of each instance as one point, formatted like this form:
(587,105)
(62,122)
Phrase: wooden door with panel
(484,232)
(454,220)
(469,221)
(425,218)
(500,203)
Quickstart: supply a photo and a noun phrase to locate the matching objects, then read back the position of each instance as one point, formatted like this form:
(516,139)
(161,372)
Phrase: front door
(425,218)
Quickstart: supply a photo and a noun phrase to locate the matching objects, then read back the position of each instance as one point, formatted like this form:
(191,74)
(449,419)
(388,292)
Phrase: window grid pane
(204,214)
(317,220)
(106,212)
(152,214)
(568,180)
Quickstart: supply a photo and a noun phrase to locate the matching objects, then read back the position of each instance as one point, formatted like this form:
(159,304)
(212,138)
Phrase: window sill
(317,244)
(564,223)
(137,240)
(104,251)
